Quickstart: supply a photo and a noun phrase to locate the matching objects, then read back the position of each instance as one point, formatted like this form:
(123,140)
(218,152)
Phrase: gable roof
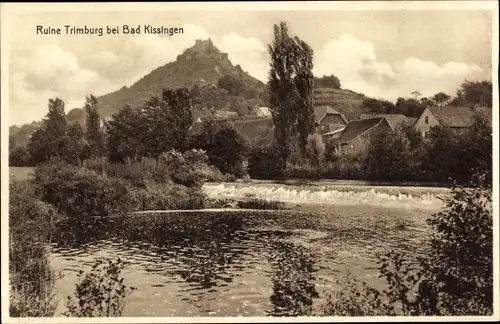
(358,127)
(460,117)
(395,120)
(321,111)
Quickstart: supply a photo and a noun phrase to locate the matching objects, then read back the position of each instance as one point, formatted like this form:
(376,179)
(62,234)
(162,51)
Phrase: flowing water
(235,262)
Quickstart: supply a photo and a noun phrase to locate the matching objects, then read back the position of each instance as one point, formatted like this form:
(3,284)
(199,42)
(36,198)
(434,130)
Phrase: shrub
(263,162)
(19,157)
(31,277)
(166,197)
(101,292)
(254,203)
(78,192)
(190,168)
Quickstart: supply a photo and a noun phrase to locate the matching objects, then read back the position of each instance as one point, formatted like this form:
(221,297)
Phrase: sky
(383,54)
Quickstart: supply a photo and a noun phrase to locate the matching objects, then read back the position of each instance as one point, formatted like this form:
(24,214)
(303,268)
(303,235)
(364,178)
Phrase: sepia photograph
(249,161)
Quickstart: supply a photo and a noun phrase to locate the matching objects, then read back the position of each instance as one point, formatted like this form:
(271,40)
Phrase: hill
(345,101)
(201,66)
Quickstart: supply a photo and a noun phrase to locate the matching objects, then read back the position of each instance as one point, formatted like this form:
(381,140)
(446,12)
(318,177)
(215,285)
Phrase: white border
(8,8)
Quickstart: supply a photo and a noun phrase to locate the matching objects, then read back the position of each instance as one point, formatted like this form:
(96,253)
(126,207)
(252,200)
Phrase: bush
(263,162)
(19,157)
(101,292)
(166,197)
(190,168)
(254,203)
(79,193)
(31,276)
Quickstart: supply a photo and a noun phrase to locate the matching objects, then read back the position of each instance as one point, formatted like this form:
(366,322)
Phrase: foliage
(162,124)
(31,276)
(388,156)
(79,193)
(124,135)
(50,141)
(224,145)
(304,83)
(254,203)
(263,162)
(282,93)
(327,81)
(95,136)
(19,157)
(377,106)
(101,292)
(441,98)
(409,107)
(293,286)
(475,92)
(166,196)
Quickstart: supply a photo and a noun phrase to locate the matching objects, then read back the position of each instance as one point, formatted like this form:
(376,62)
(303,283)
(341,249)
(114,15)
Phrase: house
(395,120)
(356,135)
(263,111)
(425,122)
(328,120)
(459,119)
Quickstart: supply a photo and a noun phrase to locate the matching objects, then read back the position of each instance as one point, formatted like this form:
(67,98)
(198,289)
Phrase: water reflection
(293,279)
(201,254)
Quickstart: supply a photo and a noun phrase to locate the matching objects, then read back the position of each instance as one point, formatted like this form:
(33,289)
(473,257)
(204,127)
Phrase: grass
(20,173)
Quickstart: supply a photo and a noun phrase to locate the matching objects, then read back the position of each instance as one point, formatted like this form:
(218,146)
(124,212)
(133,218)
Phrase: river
(227,263)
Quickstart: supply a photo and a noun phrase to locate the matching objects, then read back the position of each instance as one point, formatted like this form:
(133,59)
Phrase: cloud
(355,63)
(53,70)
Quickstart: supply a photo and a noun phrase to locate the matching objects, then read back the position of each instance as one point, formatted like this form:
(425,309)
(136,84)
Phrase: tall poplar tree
(282,91)
(95,136)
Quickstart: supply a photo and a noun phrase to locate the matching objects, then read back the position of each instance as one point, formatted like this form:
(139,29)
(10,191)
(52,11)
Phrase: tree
(388,155)
(441,98)
(95,136)
(379,106)
(78,150)
(426,102)
(304,83)
(282,93)
(472,93)
(124,134)
(327,81)
(416,94)
(180,115)
(225,146)
(49,140)
(409,107)
(234,86)
(315,150)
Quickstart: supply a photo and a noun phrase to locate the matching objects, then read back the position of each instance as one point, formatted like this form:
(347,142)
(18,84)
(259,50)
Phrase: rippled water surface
(227,263)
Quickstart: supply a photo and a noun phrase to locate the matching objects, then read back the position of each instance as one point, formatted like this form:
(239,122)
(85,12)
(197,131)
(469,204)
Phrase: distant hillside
(346,101)
(215,84)
(201,65)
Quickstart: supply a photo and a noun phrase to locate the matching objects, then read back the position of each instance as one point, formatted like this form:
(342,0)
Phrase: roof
(321,111)
(395,120)
(460,117)
(357,127)
(266,111)
(334,132)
